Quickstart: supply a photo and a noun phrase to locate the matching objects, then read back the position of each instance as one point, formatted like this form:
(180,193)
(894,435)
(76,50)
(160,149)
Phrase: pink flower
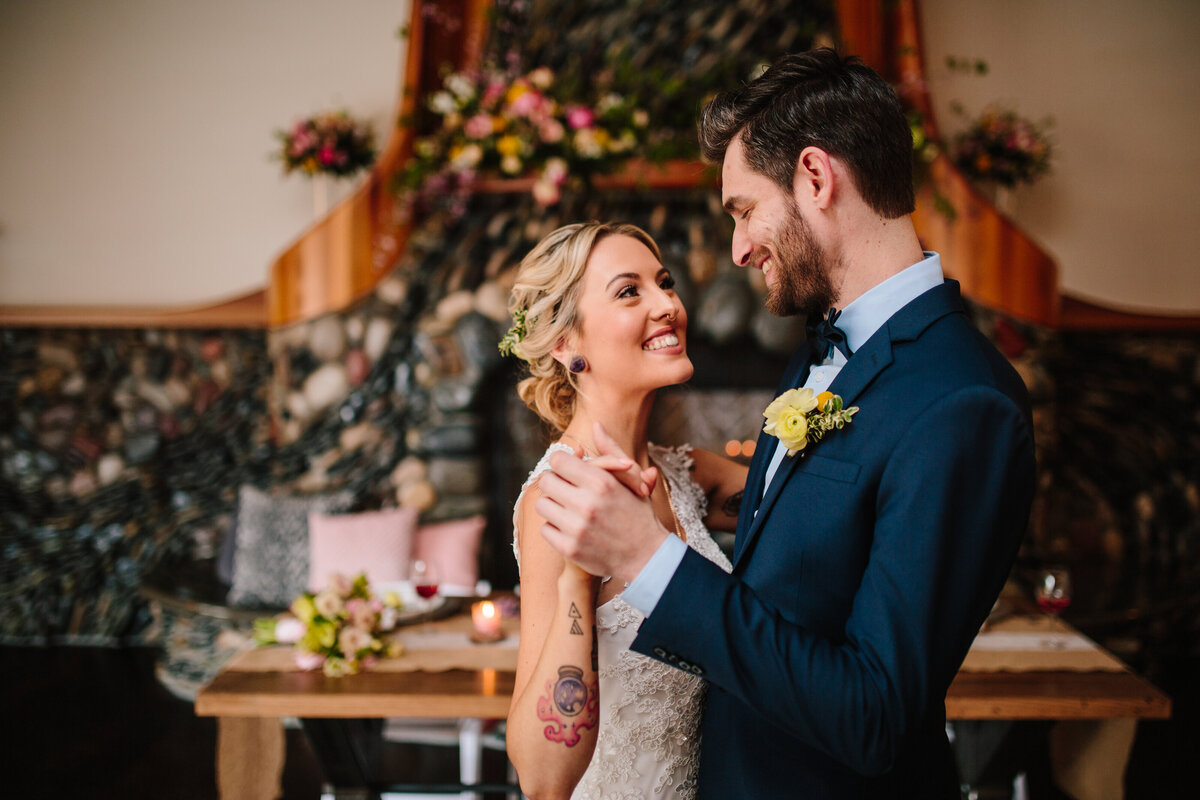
(339,584)
(478,126)
(555,171)
(551,131)
(580,117)
(309,661)
(360,613)
(492,94)
(527,103)
(289,630)
(546,193)
(352,639)
(327,155)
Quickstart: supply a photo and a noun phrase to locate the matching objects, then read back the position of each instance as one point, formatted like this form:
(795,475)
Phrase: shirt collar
(870,310)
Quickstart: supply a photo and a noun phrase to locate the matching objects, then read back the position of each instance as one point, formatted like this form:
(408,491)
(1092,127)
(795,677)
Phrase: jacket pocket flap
(831,468)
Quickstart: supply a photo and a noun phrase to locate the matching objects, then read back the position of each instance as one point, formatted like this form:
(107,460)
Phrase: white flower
(586,143)
(556,170)
(510,165)
(442,103)
(608,102)
(461,85)
(467,158)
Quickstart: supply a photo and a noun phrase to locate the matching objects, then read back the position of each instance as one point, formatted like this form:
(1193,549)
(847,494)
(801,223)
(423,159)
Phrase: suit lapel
(858,373)
(868,362)
(765,447)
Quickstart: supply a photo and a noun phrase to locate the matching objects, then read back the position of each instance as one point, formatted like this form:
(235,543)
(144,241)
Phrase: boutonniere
(799,418)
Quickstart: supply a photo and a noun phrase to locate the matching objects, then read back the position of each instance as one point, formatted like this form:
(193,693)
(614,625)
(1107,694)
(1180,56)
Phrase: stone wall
(121,451)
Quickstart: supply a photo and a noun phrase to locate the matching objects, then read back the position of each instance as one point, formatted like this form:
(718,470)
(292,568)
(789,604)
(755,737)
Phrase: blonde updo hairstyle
(548,285)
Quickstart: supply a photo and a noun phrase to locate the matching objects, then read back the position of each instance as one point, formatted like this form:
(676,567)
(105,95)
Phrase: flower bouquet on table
(1003,148)
(491,121)
(330,143)
(341,629)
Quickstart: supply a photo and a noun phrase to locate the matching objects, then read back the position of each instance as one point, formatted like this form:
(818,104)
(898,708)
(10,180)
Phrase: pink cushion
(378,543)
(452,548)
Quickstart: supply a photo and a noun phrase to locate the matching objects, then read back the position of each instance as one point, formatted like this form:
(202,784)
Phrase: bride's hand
(637,480)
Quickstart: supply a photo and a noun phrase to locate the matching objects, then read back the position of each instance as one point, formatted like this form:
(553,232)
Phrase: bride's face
(633,329)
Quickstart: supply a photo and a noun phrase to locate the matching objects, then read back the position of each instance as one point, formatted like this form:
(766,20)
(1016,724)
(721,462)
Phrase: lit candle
(486,618)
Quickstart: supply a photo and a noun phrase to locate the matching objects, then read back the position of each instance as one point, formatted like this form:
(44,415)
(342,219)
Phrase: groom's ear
(813,181)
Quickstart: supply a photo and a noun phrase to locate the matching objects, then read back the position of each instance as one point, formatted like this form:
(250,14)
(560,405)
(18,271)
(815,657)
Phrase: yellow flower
(509,146)
(304,609)
(822,399)
(514,92)
(392,600)
(787,418)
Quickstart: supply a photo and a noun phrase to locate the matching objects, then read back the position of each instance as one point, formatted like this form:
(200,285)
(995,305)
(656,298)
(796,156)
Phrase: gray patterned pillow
(270,564)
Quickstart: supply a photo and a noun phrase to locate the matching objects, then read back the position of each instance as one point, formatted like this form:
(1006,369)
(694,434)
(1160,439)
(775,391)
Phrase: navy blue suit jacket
(857,589)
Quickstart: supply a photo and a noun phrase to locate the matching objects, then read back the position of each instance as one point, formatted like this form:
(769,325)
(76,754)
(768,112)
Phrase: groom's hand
(593,518)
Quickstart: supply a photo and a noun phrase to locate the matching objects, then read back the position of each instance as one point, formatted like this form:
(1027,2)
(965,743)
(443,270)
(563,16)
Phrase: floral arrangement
(1003,148)
(521,124)
(330,142)
(340,629)
(799,418)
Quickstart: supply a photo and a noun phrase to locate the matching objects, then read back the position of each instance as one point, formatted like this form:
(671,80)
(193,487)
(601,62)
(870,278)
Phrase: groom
(865,563)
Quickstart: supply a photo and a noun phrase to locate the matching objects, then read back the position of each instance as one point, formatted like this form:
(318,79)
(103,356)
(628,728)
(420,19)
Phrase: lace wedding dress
(648,743)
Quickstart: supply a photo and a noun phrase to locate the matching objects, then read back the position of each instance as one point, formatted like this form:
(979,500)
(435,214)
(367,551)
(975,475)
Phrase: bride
(599,324)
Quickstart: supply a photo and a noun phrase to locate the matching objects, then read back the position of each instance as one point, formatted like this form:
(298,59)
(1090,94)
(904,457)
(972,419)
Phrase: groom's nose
(742,247)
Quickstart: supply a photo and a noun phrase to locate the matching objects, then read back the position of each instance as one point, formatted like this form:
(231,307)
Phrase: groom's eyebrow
(734,203)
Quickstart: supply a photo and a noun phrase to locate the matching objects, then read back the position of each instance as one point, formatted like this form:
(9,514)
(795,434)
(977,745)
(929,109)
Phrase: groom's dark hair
(820,99)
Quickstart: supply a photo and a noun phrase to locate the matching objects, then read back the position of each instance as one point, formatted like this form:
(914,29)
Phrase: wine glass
(424,579)
(1053,590)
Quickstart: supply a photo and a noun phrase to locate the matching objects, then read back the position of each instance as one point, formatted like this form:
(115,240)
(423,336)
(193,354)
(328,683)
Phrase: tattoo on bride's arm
(569,706)
(575,617)
(732,504)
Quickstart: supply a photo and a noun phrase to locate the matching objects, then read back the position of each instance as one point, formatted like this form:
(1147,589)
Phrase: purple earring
(577,364)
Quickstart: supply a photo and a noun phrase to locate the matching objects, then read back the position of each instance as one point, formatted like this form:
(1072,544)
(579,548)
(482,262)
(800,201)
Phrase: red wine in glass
(1053,591)
(1053,605)
(426,590)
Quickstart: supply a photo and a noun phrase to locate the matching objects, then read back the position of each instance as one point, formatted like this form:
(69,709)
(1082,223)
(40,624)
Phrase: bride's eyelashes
(666,283)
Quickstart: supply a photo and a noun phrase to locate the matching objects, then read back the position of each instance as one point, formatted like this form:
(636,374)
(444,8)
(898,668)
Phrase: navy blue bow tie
(825,335)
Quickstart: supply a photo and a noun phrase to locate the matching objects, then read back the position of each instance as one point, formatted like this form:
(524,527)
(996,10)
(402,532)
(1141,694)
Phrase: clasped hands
(597,513)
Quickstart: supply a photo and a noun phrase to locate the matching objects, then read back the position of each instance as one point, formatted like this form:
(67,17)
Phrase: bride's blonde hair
(546,295)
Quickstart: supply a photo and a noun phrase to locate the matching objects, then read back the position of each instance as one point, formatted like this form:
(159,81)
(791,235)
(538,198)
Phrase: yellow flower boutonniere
(798,417)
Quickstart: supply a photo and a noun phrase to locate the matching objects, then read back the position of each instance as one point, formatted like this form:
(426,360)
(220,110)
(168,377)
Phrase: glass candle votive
(486,619)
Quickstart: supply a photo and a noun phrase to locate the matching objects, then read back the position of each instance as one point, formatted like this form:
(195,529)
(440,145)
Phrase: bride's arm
(722,481)
(555,711)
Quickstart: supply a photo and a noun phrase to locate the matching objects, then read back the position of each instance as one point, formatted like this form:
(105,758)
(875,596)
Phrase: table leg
(250,754)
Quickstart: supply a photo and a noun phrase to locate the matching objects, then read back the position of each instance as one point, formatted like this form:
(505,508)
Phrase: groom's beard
(802,269)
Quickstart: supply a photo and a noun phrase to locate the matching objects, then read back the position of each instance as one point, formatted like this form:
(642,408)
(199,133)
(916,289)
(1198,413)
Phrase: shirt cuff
(646,589)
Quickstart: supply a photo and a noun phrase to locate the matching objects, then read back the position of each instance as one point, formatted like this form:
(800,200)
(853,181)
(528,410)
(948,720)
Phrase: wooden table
(249,704)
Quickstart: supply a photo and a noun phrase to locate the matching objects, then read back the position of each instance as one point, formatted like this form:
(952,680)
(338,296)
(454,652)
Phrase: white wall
(135,138)
(1121,211)
(135,134)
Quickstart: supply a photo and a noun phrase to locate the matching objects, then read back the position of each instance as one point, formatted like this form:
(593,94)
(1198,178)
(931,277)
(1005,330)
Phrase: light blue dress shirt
(859,321)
